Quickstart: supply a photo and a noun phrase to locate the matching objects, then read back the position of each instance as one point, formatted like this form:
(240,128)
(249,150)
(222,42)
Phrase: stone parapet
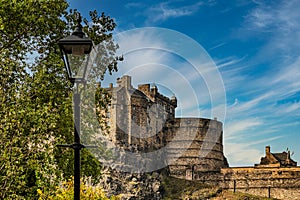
(275,182)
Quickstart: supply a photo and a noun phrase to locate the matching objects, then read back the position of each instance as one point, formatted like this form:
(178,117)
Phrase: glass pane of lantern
(77,63)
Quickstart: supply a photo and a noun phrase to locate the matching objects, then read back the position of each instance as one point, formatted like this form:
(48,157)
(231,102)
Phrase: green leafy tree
(36,97)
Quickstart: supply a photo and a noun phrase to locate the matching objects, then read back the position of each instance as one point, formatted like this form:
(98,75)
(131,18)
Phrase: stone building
(276,176)
(276,159)
(144,120)
(137,116)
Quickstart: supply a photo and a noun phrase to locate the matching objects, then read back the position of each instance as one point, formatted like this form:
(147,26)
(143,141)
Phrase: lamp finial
(78,31)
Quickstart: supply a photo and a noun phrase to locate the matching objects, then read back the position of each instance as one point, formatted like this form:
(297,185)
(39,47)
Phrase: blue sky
(254,46)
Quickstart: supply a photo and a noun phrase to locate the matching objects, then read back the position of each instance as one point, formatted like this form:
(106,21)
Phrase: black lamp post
(75,50)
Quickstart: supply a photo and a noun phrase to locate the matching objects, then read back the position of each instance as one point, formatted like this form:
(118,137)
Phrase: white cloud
(288,108)
(242,154)
(217,46)
(134,5)
(261,19)
(281,15)
(166,10)
(174,61)
(246,154)
(250,107)
(280,84)
(232,69)
(279,23)
(230,61)
(235,128)
(263,99)
(289,74)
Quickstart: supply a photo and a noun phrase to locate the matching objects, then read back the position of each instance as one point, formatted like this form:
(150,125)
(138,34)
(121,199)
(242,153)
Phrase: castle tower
(144,120)
(139,115)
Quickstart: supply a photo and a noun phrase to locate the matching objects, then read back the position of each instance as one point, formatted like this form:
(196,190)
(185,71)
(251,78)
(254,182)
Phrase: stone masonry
(275,182)
(276,176)
(144,120)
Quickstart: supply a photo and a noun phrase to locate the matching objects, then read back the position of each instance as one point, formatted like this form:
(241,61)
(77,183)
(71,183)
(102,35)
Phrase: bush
(66,191)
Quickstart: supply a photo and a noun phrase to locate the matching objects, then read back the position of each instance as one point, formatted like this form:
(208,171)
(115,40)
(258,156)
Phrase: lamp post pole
(75,50)
(77,145)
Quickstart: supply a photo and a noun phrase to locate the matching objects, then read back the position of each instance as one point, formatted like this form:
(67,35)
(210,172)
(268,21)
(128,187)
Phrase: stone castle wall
(195,147)
(144,120)
(280,183)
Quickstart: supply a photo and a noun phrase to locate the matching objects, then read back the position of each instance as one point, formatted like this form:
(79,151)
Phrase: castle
(144,120)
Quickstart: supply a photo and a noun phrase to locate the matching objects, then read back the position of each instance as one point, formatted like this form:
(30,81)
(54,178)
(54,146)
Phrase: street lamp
(75,50)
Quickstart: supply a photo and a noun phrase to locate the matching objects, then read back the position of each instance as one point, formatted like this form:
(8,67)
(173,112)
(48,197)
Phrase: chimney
(174,101)
(125,81)
(288,158)
(268,151)
(154,89)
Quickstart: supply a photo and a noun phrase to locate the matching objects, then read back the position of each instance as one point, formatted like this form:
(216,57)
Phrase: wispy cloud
(165,10)
(248,106)
(289,74)
(217,46)
(279,23)
(242,155)
(288,108)
(160,11)
(236,127)
(230,61)
(134,5)
(232,69)
(237,151)
(258,98)
(260,104)
(150,57)
(281,15)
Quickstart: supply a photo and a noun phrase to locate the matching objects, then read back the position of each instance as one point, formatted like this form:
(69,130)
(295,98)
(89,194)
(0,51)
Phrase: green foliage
(30,25)
(100,33)
(36,97)
(66,191)
(103,101)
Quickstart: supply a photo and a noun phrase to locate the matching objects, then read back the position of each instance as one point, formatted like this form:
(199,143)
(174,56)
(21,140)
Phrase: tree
(35,95)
